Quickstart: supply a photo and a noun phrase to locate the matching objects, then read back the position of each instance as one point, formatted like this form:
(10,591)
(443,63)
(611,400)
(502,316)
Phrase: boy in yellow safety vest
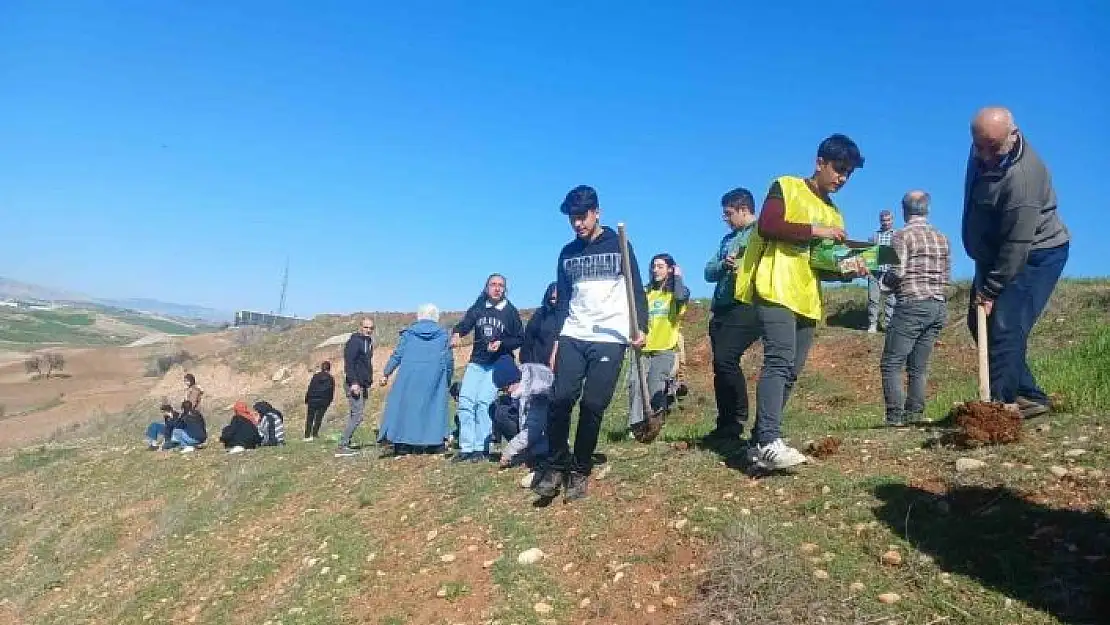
(776,278)
(667,296)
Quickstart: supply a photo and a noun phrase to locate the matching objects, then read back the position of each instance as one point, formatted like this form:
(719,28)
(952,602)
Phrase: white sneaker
(236,450)
(308,439)
(778,455)
(188,449)
(872,330)
(528,480)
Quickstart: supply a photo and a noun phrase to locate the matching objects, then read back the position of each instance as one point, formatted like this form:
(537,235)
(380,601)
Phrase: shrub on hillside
(44,365)
(160,365)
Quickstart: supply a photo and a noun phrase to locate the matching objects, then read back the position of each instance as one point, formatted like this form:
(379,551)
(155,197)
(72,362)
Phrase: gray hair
(427,312)
(916,203)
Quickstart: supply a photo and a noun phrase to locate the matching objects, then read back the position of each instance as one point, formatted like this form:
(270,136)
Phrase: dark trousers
(731,332)
(1012,319)
(313,419)
(910,336)
(787,338)
(589,371)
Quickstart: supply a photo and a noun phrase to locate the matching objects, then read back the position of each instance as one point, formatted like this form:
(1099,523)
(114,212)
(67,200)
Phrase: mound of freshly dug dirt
(985,423)
(824,448)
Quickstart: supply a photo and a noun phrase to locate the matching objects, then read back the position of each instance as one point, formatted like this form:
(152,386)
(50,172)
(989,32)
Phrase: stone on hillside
(890,597)
(810,547)
(431,535)
(670,602)
(1075,453)
(542,608)
(281,374)
(531,556)
(892,558)
(963,465)
(1058,471)
(447,557)
(856,587)
(821,574)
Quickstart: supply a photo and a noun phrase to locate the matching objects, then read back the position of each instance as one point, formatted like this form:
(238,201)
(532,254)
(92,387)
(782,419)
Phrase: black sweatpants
(589,371)
(313,420)
(731,332)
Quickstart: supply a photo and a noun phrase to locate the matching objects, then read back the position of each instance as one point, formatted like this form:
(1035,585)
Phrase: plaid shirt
(883,237)
(924,267)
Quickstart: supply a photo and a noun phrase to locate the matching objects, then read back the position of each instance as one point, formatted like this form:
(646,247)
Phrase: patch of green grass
(37,458)
(1079,374)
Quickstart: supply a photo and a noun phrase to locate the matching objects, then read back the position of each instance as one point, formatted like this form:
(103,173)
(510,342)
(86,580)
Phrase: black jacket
(240,433)
(491,323)
(541,332)
(358,355)
(193,424)
(321,390)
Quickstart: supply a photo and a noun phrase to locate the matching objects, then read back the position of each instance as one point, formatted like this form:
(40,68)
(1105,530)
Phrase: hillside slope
(98,530)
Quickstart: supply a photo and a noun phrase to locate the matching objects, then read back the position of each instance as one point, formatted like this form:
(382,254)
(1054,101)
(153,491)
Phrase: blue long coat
(416,409)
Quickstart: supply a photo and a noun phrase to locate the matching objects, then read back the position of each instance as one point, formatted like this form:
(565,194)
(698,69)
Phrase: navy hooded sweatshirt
(542,331)
(593,303)
(491,322)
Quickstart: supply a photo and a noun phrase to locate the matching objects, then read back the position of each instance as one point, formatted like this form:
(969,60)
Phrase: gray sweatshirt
(533,396)
(1009,210)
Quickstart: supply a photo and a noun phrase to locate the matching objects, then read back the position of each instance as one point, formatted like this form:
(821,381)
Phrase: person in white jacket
(520,414)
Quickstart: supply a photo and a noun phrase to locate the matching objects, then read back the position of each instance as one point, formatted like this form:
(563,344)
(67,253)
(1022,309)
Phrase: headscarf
(243,410)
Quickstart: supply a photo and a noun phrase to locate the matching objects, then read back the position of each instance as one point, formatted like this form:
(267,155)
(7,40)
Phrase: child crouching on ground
(520,415)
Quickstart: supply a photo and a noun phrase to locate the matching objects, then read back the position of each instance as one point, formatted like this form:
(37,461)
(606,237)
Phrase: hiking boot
(345,452)
(548,484)
(464,456)
(778,455)
(1031,409)
(576,486)
(720,435)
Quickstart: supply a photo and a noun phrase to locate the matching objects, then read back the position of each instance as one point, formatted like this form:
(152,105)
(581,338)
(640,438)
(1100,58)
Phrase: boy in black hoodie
(541,335)
(497,331)
(320,393)
(592,303)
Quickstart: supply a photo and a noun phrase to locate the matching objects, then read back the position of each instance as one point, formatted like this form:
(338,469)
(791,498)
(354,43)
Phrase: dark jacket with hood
(542,331)
(321,390)
(491,322)
(358,355)
(193,424)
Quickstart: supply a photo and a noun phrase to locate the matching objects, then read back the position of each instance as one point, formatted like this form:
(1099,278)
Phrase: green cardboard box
(827,255)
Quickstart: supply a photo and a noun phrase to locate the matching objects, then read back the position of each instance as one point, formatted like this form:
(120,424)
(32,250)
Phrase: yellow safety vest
(779,271)
(664,319)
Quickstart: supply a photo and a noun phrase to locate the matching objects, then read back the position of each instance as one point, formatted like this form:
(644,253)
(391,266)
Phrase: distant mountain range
(16,290)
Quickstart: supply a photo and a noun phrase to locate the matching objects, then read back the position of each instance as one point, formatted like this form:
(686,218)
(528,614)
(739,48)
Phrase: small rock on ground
(964,465)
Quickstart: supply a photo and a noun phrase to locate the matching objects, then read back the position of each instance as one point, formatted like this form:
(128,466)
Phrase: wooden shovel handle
(634,325)
(984,360)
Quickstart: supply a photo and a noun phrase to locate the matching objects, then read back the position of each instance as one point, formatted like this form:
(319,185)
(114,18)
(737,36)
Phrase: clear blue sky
(399,152)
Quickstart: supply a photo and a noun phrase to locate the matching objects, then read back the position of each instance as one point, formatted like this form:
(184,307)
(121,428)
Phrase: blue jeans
(154,431)
(910,336)
(1015,312)
(182,438)
(475,396)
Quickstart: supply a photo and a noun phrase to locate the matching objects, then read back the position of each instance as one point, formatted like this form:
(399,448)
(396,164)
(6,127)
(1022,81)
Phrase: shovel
(653,421)
(984,361)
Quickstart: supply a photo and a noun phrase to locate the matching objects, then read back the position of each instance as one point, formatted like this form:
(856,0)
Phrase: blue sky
(397,153)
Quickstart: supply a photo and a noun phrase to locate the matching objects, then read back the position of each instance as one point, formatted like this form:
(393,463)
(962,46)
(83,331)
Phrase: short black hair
(189,379)
(840,150)
(325,366)
(186,406)
(579,200)
(738,197)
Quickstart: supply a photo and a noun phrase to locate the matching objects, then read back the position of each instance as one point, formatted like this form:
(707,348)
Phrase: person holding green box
(776,277)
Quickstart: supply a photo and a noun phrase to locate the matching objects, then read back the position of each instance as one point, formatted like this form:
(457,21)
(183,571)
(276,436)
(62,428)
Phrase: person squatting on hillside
(358,358)
(190,432)
(541,335)
(776,277)
(498,331)
(1012,230)
(667,296)
(164,430)
(241,433)
(271,424)
(520,413)
(879,297)
(415,418)
(592,301)
(317,399)
(732,326)
(919,280)
(193,393)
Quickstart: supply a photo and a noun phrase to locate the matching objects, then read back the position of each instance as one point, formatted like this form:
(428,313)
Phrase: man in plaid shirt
(878,296)
(919,282)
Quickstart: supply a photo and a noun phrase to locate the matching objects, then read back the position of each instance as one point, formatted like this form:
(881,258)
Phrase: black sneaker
(463,456)
(724,434)
(576,486)
(548,484)
(345,452)
(1031,409)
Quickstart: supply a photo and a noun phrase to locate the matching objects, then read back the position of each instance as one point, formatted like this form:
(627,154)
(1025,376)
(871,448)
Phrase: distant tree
(33,365)
(54,362)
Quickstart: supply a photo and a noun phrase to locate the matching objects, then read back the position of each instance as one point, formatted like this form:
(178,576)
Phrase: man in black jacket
(358,356)
(320,393)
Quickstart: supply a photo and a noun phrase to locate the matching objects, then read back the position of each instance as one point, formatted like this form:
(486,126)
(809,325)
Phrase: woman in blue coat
(416,409)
